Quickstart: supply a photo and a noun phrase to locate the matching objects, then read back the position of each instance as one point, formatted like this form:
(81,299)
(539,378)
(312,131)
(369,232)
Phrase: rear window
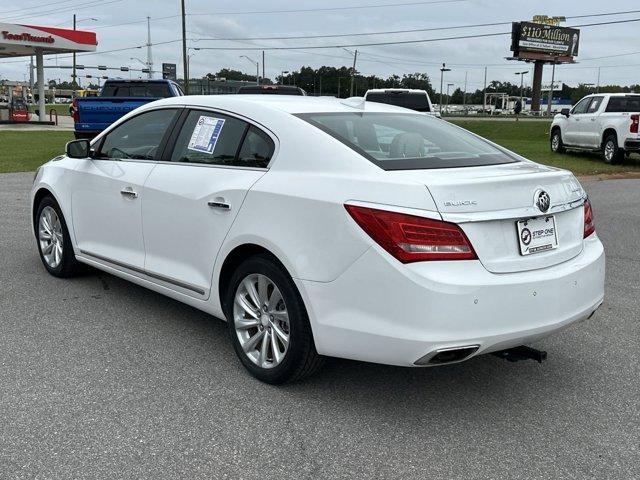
(405,141)
(136,90)
(624,104)
(271,90)
(413,100)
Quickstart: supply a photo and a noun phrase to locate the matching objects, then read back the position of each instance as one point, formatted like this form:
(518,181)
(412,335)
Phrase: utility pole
(263,75)
(464,94)
(598,85)
(184,50)
(442,70)
(149,55)
(484,92)
(73,73)
(553,79)
(353,72)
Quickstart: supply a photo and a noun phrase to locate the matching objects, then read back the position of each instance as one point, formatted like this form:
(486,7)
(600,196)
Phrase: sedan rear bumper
(382,311)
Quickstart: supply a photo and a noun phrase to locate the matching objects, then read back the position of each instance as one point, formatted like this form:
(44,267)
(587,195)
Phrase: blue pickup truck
(91,115)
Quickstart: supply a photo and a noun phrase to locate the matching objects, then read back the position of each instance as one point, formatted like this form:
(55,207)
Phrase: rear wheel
(268,323)
(556,142)
(610,151)
(54,243)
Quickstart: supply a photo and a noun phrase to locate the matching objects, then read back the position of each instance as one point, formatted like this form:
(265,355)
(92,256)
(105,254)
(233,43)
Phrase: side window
(257,149)
(138,137)
(581,106)
(209,138)
(595,104)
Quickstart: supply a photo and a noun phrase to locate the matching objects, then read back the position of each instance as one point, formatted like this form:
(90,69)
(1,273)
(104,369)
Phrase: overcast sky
(223,19)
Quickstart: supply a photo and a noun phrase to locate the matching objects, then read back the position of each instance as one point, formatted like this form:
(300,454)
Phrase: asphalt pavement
(100,378)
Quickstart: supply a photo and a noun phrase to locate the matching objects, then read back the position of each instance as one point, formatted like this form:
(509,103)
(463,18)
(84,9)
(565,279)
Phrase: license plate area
(536,235)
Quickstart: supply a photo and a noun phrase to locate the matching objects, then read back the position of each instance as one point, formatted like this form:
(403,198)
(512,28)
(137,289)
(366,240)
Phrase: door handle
(593,119)
(219,205)
(128,192)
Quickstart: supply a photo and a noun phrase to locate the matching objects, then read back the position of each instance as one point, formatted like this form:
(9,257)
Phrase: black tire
(301,358)
(68,266)
(611,153)
(556,142)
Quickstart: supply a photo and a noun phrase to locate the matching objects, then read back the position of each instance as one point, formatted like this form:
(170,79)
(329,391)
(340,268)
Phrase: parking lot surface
(100,378)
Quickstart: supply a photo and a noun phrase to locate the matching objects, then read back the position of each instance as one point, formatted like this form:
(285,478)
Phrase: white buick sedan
(324,227)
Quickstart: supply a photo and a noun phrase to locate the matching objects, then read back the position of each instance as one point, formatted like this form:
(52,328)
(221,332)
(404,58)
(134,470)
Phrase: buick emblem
(543,200)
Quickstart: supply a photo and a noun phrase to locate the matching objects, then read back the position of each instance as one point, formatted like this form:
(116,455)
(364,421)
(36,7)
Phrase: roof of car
(292,104)
(406,90)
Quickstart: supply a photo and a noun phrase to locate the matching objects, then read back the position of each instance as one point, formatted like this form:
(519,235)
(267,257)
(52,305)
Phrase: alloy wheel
(261,321)
(609,151)
(50,237)
(555,142)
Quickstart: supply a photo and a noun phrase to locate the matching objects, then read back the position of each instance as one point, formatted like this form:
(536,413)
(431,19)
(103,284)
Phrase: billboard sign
(169,71)
(537,41)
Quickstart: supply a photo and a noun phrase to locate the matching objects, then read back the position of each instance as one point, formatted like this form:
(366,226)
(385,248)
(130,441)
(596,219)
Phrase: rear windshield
(624,104)
(271,90)
(136,90)
(407,141)
(412,100)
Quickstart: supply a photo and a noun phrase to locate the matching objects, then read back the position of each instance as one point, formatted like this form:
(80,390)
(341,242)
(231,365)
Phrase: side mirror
(565,112)
(78,149)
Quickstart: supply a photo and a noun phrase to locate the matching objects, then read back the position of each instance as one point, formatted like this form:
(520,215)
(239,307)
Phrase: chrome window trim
(269,133)
(142,271)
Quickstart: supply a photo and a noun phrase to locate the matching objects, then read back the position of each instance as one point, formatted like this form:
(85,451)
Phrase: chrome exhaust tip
(443,356)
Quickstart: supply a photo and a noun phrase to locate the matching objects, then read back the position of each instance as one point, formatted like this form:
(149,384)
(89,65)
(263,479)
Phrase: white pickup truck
(605,122)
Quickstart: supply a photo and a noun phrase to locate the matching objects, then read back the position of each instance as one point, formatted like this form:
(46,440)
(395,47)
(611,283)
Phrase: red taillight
(74,110)
(413,239)
(589,225)
(635,123)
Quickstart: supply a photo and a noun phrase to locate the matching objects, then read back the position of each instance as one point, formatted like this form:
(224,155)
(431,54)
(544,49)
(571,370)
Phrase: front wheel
(268,323)
(54,243)
(611,154)
(556,142)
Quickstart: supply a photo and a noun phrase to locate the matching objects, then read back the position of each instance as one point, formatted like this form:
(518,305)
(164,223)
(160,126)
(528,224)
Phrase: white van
(412,99)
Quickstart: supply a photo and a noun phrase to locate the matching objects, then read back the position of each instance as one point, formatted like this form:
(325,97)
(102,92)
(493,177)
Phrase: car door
(573,131)
(107,196)
(194,195)
(591,124)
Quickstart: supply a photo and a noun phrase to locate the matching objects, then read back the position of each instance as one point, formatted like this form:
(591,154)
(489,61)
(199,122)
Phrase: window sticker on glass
(205,135)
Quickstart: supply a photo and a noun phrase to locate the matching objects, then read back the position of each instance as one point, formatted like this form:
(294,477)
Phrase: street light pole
(257,64)
(442,70)
(448,97)
(522,74)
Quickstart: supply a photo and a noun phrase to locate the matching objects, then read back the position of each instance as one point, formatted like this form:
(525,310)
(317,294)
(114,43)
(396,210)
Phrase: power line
(400,42)
(68,8)
(42,5)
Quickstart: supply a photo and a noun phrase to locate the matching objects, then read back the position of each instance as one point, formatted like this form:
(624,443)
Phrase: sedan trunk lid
(487,202)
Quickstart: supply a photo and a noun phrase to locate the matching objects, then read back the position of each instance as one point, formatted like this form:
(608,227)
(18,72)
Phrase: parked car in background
(271,90)
(91,115)
(606,122)
(325,227)
(412,99)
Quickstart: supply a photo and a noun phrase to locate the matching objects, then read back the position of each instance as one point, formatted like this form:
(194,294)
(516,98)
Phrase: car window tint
(257,149)
(210,138)
(582,106)
(413,100)
(407,141)
(139,137)
(626,104)
(594,105)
